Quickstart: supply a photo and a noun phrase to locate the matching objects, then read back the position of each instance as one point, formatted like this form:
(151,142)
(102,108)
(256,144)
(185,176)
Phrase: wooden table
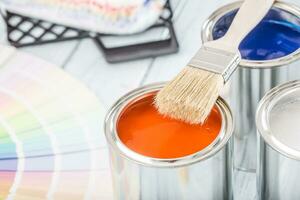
(82,59)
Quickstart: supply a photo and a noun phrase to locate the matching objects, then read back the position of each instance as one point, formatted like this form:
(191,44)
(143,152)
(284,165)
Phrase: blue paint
(277,35)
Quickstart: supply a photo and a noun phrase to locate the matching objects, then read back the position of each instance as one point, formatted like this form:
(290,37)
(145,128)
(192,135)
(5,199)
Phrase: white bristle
(190,96)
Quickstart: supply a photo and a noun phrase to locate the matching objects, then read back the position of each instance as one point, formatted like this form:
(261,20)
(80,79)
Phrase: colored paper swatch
(52,144)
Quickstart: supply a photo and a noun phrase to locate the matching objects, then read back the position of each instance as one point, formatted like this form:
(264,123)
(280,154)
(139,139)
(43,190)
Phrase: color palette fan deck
(51,139)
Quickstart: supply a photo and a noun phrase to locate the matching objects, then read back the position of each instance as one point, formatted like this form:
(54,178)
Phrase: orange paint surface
(142,129)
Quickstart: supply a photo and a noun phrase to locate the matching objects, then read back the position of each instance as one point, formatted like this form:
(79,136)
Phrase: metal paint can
(206,174)
(256,75)
(278,127)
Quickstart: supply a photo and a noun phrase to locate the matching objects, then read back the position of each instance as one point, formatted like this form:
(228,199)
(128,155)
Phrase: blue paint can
(270,57)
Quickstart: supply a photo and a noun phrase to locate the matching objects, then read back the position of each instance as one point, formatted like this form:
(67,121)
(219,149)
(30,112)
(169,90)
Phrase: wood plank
(2,31)
(108,81)
(56,53)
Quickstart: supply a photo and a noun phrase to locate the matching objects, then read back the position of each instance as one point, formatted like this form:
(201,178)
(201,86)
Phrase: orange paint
(142,129)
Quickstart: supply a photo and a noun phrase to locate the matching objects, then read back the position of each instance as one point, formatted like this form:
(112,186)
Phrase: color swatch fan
(51,139)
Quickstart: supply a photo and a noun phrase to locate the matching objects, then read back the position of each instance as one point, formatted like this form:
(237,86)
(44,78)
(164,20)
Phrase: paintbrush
(191,95)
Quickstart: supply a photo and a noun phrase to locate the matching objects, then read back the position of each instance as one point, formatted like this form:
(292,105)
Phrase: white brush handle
(249,15)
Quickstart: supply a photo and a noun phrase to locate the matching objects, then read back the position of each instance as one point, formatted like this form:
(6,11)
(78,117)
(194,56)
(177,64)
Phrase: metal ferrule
(216,61)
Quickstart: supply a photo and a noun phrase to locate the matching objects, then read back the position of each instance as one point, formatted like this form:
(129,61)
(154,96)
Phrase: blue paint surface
(277,35)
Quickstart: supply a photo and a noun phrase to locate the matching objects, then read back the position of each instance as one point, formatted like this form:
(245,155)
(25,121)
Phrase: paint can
(206,174)
(270,57)
(277,120)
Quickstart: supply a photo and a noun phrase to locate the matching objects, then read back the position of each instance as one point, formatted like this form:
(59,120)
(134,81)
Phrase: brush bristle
(190,96)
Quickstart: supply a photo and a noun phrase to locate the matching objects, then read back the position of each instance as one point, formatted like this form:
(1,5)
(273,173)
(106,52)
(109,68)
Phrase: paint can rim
(206,34)
(264,111)
(116,145)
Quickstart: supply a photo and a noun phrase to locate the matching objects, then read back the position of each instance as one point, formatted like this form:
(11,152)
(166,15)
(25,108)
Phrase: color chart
(52,144)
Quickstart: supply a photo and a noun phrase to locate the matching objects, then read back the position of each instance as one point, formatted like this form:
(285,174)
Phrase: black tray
(20,35)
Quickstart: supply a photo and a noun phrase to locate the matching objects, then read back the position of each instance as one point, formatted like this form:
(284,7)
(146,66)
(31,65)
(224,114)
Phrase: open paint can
(270,56)
(154,157)
(278,127)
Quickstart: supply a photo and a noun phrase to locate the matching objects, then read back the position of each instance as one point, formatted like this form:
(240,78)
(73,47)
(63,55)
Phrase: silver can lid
(278,119)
